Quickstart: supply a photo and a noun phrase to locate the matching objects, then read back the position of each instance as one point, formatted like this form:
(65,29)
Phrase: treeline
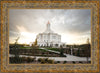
(83,50)
(17,45)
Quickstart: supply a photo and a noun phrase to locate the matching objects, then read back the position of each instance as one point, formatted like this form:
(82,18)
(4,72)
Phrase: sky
(74,25)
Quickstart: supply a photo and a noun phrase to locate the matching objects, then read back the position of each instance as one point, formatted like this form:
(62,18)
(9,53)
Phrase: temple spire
(48,29)
(48,26)
(48,22)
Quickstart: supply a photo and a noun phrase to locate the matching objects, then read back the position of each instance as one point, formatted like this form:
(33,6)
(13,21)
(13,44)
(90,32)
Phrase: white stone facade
(49,38)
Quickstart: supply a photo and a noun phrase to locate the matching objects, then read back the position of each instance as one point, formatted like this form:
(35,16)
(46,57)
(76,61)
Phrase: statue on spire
(48,22)
(48,26)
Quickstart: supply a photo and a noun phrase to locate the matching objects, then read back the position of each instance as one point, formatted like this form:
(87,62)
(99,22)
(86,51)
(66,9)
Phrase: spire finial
(48,26)
(48,22)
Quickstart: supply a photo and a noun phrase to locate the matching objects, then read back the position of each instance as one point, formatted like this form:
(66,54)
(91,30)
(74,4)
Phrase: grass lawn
(54,49)
(28,47)
(42,50)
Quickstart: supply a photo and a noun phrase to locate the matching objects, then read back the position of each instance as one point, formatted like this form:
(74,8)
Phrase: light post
(47,43)
(71,50)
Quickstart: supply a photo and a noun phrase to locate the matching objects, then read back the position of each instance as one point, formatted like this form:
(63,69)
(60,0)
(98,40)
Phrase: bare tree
(16,40)
(87,50)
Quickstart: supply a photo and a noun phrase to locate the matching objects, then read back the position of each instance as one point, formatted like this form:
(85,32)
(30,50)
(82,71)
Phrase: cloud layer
(63,21)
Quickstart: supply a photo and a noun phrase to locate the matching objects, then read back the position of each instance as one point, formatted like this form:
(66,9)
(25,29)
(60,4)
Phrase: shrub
(43,61)
(50,61)
(29,59)
(58,61)
(40,59)
(55,62)
(46,59)
(89,62)
(16,60)
(74,62)
(64,62)
(63,55)
(80,62)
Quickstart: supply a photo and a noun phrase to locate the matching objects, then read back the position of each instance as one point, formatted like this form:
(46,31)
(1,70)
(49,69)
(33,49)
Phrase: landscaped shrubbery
(21,60)
(45,60)
(58,61)
(64,62)
(73,62)
(16,60)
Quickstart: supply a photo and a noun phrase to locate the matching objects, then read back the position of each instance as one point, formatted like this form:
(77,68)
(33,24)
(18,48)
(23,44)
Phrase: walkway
(67,58)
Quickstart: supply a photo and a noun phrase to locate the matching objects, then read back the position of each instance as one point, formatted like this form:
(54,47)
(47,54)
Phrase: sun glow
(26,37)
(74,39)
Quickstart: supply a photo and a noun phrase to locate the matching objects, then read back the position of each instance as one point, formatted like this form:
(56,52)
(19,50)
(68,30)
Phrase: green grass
(42,50)
(25,47)
(54,49)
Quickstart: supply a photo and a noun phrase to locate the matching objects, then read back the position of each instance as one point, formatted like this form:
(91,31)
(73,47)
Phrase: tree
(88,49)
(35,43)
(88,41)
(61,51)
(78,52)
(16,47)
(16,59)
(88,52)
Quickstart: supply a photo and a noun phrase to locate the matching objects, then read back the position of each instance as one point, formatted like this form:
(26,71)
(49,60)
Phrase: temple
(48,38)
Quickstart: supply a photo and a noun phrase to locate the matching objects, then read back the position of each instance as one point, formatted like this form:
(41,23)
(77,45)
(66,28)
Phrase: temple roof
(48,30)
